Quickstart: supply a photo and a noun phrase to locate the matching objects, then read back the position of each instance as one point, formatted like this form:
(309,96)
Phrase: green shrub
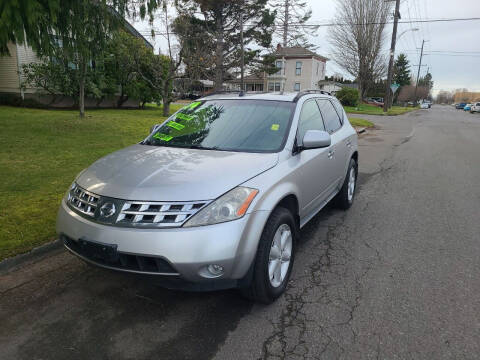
(348,96)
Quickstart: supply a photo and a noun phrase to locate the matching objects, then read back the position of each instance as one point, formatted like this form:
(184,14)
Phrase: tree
(357,39)
(407,93)
(35,21)
(75,31)
(219,21)
(156,71)
(290,16)
(426,81)
(401,71)
(445,97)
(27,20)
(197,46)
(121,64)
(347,96)
(57,78)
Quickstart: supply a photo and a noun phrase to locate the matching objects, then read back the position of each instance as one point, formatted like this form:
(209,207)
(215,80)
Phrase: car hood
(147,173)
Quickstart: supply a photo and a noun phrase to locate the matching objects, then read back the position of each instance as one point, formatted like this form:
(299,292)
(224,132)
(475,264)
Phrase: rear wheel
(274,260)
(345,197)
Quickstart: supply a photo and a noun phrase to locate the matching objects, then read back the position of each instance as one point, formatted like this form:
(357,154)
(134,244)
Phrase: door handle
(331,153)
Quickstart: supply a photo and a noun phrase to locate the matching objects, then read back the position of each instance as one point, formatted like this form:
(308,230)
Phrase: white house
(333,86)
(298,69)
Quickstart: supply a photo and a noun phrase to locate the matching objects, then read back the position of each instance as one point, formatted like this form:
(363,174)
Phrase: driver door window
(310,119)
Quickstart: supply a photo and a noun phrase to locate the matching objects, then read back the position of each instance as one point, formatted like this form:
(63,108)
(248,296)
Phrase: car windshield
(230,125)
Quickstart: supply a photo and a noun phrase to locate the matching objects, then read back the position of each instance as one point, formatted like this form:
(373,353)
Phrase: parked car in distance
(460,105)
(216,195)
(374,103)
(475,107)
(425,105)
(467,107)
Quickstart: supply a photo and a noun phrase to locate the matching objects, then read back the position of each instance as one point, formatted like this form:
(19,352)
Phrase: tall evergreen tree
(290,17)
(220,23)
(34,21)
(426,81)
(401,72)
(73,31)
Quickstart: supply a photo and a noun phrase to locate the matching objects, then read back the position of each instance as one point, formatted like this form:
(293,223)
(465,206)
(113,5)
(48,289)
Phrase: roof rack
(239,92)
(219,92)
(310,91)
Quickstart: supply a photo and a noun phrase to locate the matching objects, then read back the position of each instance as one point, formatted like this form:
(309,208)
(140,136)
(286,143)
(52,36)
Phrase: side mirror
(154,128)
(314,139)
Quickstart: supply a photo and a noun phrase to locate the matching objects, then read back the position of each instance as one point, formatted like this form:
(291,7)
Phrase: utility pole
(285,24)
(396,16)
(242,56)
(418,74)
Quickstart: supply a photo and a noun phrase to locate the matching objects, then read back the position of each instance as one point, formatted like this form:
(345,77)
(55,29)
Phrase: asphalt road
(396,277)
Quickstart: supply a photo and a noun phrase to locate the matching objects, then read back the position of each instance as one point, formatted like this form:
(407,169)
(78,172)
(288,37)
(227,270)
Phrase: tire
(344,199)
(262,288)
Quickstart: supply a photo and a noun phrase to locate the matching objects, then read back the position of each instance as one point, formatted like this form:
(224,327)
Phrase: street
(395,277)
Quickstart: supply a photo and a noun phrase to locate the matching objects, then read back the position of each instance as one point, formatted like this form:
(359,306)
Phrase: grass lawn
(41,152)
(375,110)
(360,122)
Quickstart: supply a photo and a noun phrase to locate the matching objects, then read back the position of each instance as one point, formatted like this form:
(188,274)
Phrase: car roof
(275,96)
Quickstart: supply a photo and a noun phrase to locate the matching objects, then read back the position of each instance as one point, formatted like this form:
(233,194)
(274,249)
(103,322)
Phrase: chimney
(279,47)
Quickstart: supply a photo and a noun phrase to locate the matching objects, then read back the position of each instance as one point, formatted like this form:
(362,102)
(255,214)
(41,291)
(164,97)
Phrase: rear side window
(330,116)
(310,119)
(339,109)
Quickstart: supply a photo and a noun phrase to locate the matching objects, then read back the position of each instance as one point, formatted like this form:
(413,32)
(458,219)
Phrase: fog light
(215,270)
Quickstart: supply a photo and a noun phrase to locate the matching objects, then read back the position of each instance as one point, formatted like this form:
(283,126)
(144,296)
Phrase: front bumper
(188,251)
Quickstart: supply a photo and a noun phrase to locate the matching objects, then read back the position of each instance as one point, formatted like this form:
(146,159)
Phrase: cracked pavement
(395,277)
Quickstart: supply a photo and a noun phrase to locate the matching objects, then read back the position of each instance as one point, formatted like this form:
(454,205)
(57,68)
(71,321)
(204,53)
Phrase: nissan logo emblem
(107,210)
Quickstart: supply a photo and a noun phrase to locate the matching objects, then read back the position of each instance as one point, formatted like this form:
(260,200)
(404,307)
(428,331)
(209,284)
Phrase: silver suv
(215,196)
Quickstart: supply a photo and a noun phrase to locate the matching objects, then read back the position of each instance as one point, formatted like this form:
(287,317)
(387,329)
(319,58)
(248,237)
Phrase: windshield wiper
(200,147)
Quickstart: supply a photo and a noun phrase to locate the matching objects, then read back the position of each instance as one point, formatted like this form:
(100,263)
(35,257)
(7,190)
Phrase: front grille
(82,200)
(162,214)
(95,253)
(130,213)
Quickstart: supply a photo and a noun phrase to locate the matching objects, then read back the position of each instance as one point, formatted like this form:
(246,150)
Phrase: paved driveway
(396,277)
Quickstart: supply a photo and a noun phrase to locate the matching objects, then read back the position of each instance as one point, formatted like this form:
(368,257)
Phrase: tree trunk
(81,97)
(166,106)
(219,50)
(122,98)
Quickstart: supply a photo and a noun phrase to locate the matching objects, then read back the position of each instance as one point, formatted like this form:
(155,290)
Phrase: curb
(34,254)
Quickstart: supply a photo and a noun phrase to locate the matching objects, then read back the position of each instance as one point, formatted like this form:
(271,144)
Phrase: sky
(452,49)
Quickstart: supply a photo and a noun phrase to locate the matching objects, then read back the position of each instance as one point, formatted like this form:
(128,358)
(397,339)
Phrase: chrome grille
(82,200)
(160,214)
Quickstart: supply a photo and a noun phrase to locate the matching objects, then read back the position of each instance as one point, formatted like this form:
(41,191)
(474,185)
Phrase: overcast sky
(452,48)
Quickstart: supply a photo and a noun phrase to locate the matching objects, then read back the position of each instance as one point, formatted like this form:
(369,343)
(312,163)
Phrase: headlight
(233,205)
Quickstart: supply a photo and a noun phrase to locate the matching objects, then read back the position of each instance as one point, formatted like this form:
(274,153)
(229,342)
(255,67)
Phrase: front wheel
(274,260)
(344,198)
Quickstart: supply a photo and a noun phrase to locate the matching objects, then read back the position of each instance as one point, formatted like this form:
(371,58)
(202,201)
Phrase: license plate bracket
(99,251)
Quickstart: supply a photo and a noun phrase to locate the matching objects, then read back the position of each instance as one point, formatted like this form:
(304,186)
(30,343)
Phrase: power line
(407,21)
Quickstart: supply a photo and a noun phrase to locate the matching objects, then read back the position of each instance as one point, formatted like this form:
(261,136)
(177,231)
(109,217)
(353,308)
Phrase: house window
(279,65)
(298,68)
(296,87)
(274,86)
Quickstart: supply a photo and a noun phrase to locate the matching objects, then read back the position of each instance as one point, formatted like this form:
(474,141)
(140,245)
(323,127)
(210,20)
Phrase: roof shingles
(297,51)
